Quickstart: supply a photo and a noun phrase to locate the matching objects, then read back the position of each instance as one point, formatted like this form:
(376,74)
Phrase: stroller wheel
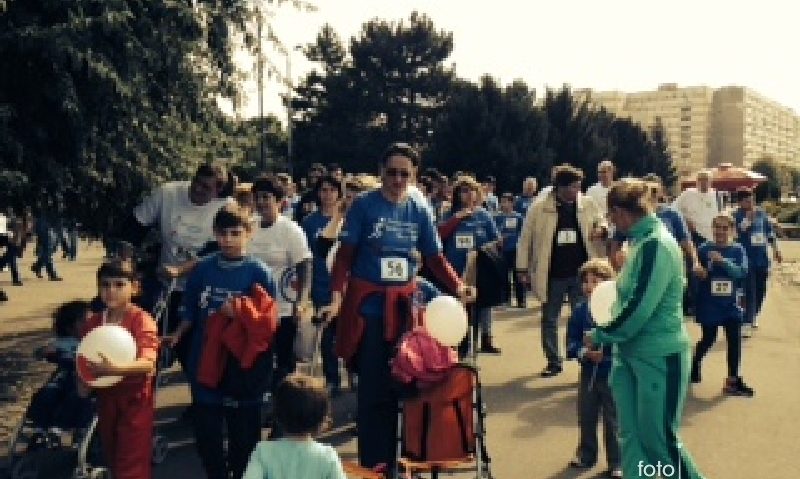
(99,473)
(160,449)
(25,468)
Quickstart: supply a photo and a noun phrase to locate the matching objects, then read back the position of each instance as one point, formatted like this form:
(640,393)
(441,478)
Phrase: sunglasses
(397,172)
(264,196)
(116,283)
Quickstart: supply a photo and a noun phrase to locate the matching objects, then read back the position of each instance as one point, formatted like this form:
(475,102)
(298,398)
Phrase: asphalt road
(532,425)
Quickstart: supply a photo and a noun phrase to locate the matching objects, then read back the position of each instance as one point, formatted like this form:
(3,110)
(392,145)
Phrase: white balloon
(114,342)
(331,257)
(603,298)
(446,320)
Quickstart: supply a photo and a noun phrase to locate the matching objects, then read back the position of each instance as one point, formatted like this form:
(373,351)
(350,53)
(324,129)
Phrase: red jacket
(350,324)
(245,336)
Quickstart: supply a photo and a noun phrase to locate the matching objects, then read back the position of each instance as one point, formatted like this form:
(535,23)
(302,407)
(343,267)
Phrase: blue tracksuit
(754,235)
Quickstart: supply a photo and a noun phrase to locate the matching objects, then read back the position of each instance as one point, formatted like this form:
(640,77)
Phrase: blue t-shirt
(313,225)
(718,295)
(472,232)
(754,237)
(522,203)
(672,220)
(385,236)
(510,225)
(212,282)
(579,323)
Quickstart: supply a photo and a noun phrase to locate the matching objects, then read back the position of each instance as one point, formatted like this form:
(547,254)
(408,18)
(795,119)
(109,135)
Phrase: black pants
(283,347)
(733,336)
(244,431)
(518,288)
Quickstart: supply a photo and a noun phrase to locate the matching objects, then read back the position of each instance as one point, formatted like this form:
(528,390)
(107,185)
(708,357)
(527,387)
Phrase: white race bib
(566,237)
(721,287)
(758,239)
(511,223)
(394,269)
(465,241)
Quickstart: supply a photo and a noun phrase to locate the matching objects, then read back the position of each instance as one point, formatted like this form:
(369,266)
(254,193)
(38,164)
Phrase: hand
(169,272)
(716,257)
(522,277)
(170,340)
(588,341)
(594,355)
(691,225)
(467,294)
(699,271)
(331,311)
(104,367)
(302,311)
(778,256)
(464,213)
(227,309)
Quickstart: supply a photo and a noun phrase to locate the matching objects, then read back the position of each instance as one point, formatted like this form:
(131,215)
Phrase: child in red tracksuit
(125,410)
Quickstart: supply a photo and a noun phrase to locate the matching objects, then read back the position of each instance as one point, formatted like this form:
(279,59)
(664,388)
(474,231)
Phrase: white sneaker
(754,325)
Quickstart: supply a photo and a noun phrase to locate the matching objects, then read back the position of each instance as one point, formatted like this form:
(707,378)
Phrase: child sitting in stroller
(57,405)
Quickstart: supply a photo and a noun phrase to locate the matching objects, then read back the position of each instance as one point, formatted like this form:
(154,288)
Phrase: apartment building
(706,126)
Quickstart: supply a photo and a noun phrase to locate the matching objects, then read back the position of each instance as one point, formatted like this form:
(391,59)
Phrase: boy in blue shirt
(509,223)
(594,393)
(754,232)
(212,284)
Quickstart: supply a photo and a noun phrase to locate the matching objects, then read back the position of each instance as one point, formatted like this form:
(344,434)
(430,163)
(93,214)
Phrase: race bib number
(394,269)
(758,239)
(465,241)
(566,237)
(721,287)
(511,223)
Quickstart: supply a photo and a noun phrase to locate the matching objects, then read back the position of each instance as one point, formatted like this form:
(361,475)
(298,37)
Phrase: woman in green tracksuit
(651,361)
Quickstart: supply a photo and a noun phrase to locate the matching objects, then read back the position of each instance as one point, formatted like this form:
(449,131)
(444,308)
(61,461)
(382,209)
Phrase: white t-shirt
(185,227)
(3,225)
(281,245)
(699,208)
(599,194)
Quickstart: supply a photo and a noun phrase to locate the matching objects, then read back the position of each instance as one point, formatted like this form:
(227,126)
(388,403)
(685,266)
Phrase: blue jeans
(557,288)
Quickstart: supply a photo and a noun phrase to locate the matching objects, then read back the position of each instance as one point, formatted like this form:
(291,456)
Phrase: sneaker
(578,463)
(737,387)
(615,473)
(754,325)
(551,370)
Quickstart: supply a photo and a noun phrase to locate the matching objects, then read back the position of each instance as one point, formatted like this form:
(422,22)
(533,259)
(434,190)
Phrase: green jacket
(647,318)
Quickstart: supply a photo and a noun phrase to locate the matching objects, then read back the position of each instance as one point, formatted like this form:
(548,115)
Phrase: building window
(686,128)
(686,155)
(686,145)
(686,109)
(686,118)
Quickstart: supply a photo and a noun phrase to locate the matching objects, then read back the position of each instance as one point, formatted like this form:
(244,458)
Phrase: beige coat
(536,238)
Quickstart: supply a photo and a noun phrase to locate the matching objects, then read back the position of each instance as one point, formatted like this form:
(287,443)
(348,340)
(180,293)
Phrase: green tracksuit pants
(650,393)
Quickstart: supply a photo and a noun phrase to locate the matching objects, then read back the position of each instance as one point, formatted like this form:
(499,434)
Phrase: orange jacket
(246,335)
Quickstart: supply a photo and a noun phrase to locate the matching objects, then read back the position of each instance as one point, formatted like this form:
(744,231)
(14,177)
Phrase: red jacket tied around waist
(245,336)
(350,325)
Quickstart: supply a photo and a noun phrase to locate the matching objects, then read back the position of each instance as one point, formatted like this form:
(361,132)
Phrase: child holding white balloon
(125,409)
(594,393)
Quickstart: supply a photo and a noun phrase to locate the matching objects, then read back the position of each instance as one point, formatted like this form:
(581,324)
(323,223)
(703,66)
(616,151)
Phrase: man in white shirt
(183,212)
(282,245)
(599,191)
(699,206)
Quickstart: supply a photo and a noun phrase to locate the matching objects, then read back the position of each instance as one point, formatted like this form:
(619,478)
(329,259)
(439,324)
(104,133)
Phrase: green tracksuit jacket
(650,368)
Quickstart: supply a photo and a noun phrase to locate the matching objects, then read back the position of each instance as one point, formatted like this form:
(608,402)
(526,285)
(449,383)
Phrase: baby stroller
(442,429)
(56,439)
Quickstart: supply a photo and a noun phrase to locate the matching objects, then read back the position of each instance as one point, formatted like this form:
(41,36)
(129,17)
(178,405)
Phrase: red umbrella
(726,177)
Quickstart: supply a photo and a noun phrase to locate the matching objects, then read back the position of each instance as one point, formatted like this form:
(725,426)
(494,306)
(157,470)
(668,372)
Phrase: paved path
(532,421)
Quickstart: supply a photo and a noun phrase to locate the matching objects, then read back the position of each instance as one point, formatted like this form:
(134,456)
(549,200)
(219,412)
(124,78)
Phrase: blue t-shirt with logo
(313,225)
(210,284)
(472,232)
(386,236)
(509,225)
(754,236)
(718,296)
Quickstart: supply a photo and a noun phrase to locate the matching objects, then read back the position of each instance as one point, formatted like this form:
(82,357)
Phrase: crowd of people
(245,265)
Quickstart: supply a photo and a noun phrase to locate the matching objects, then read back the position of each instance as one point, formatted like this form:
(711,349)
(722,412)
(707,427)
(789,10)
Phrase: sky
(626,45)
